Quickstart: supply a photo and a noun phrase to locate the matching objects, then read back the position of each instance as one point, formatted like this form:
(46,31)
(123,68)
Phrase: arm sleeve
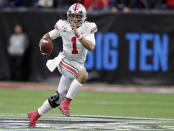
(54,34)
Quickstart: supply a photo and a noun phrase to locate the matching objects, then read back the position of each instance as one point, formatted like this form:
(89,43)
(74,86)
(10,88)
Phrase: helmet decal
(75,8)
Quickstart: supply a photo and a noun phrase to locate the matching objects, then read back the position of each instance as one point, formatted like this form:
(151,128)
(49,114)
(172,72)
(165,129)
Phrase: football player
(78,37)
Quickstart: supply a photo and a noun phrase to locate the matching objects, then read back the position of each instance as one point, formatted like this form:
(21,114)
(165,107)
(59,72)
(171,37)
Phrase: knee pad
(53,100)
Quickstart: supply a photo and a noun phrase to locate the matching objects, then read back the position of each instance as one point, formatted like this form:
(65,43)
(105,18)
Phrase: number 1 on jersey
(74,51)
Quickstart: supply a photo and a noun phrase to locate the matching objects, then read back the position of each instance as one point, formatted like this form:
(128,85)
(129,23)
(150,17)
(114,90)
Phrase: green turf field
(148,105)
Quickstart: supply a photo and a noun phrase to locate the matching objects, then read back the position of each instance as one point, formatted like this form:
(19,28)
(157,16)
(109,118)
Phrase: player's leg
(51,102)
(48,105)
(80,79)
(80,76)
(74,88)
(55,100)
(64,85)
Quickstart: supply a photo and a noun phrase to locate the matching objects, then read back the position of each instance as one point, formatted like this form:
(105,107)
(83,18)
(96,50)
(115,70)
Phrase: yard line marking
(84,122)
(97,117)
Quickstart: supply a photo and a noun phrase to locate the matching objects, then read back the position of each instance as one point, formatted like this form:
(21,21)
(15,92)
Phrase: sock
(44,108)
(74,88)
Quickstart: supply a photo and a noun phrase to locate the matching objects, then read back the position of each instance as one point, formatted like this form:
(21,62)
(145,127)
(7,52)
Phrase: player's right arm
(50,35)
(53,34)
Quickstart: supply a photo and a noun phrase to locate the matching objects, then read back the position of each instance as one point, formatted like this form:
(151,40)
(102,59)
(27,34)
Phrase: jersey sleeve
(92,29)
(60,25)
(54,34)
(57,30)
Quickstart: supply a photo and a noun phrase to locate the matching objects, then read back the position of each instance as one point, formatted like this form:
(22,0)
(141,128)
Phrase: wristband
(80,37)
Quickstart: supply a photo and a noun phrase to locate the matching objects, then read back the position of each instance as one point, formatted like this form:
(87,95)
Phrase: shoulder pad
(92,27)
(59,25)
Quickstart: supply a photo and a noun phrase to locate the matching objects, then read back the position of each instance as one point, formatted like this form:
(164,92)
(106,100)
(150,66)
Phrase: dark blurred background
(134,42)
(91,5)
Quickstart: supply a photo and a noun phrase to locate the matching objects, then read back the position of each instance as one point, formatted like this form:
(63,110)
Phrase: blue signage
(147,52)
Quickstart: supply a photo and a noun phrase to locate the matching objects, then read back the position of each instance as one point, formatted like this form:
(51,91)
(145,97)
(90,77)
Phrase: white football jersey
(72,47)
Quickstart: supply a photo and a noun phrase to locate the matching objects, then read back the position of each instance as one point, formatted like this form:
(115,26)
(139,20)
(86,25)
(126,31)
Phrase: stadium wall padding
(131,48)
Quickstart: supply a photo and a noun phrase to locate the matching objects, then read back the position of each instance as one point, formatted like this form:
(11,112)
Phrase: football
(46,46)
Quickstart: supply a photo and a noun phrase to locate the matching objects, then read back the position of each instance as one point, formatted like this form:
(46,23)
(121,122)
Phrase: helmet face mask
(76,18)
(76,14)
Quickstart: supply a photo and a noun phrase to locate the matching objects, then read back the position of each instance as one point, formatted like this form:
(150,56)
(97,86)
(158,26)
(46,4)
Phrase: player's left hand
(74,28)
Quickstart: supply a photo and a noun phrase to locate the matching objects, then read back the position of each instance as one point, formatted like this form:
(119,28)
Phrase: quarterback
(78,37)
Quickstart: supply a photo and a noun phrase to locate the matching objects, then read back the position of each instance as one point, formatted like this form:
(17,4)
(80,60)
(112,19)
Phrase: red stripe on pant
(69,68)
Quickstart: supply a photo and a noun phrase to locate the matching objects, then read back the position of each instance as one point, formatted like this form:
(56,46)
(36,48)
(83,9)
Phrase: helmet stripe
(75,7)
